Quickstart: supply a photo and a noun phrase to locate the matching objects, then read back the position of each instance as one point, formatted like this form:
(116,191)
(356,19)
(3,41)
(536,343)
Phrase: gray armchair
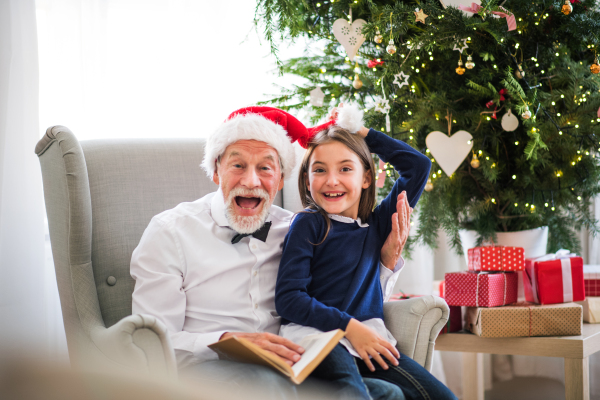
(100,195)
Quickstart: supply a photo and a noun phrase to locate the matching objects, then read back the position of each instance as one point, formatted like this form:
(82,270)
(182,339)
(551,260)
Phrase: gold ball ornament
(526,114)
(470,64)
(429,185)
(378,37)
(595,68)
(520,74)
(391,47)
(475,161)
(357,83)
(567,8)
(460,70)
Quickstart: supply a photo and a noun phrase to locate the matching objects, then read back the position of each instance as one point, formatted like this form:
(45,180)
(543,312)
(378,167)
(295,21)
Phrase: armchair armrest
(138,342)
(416,323)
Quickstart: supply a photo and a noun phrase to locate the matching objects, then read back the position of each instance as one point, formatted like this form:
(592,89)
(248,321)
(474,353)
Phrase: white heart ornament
(349,35)
(449,151)
(509,121)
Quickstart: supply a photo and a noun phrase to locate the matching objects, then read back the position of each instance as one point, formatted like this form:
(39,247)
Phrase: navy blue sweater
(324,286)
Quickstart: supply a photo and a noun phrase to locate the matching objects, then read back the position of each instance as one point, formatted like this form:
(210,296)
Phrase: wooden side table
(574,349)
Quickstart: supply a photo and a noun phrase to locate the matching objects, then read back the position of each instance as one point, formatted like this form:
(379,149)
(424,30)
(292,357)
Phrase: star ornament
(420,16)
(383,106)
(401,77)
(461,48)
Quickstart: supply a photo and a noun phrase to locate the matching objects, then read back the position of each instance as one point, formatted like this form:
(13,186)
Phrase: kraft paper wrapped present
(524,320)
(591,280)
(591,310)
(480,289)
(496,258)
(554,278)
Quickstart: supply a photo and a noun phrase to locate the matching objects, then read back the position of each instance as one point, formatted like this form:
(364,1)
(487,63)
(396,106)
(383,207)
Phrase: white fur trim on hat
(249,127)
(350,117)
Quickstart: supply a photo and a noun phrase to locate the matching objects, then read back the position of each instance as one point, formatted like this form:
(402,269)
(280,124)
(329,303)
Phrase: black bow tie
(260,234)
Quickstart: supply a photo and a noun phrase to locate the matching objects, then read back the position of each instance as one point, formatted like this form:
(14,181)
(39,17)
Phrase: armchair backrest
(100,196)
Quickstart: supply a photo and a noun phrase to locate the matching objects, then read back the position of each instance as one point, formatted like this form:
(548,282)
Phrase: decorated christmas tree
(503,97)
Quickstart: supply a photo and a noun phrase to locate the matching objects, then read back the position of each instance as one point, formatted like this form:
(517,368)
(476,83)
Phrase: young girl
(329,275)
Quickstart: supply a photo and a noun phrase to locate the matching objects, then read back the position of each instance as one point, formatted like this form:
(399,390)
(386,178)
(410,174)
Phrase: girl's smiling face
(336,178)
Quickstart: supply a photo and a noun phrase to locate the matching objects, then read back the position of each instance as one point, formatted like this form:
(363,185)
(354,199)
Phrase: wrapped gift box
(480,289)
(496,258)
(591,280)
(591,310)
(555,278)
(403,296)
(455,321)
(525,320)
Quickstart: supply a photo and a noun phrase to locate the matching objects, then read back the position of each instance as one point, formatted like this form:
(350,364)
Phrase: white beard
(247,224)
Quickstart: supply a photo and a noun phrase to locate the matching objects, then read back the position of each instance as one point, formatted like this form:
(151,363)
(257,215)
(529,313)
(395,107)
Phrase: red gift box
(496,258)
(481,289)
(591,280)
(554,278)
(455,320)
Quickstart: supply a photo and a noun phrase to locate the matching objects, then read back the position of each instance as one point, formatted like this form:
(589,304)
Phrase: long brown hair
(357,145)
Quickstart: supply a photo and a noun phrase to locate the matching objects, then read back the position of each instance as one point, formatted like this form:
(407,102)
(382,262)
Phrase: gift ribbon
(510,18)
(567,279)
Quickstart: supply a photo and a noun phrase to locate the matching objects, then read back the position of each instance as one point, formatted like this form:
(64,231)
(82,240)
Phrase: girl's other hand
(367,343)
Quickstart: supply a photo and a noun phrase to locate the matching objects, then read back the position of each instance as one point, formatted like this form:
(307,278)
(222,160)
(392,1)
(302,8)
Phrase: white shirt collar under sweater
(347,220)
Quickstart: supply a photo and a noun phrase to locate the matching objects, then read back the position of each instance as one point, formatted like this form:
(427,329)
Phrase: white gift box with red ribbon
(554,278)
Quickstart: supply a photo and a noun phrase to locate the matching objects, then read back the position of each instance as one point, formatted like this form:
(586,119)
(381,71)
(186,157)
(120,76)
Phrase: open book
(316,348)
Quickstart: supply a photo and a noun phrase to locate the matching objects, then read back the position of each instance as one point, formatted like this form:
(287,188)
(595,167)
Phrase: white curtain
(27,287)
(152,68)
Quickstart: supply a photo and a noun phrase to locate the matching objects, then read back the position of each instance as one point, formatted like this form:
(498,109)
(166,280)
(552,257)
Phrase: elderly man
(207,268)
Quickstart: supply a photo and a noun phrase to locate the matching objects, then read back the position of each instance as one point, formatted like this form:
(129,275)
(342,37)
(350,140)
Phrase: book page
(313,345)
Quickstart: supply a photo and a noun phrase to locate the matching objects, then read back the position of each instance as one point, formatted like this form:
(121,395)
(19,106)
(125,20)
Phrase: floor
(527,388)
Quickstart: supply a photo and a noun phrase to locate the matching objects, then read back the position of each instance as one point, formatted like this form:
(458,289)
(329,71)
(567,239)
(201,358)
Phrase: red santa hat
(275,127)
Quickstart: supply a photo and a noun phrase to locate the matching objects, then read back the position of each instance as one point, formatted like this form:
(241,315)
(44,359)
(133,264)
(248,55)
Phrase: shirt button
(255,305)
(255,273)
(253,247)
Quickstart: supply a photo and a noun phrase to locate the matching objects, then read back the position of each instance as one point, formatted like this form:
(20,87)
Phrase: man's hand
(367,343)
(275,344)
(394,244)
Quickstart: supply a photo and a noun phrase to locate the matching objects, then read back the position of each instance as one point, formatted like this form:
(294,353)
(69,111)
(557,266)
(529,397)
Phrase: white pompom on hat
(277,128)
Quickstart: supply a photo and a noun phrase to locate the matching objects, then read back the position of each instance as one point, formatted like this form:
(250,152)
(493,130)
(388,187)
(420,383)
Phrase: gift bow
(510,18)
(562,253)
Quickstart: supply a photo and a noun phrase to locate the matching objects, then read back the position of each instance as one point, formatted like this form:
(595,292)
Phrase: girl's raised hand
(367,343)
(394,244)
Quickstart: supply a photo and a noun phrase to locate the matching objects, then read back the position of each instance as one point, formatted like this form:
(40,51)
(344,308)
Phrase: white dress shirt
(190,276)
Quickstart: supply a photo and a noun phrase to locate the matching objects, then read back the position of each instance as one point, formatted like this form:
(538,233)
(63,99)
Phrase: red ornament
(374,63)
(502,93)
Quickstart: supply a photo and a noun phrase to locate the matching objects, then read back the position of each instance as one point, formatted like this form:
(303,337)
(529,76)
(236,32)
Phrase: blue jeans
(230,379)
(347,373)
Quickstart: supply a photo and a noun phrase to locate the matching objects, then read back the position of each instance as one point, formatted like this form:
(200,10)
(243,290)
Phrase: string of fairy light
(418,65)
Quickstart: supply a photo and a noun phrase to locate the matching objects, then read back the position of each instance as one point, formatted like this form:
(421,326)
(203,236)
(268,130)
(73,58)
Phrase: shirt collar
(347,220)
